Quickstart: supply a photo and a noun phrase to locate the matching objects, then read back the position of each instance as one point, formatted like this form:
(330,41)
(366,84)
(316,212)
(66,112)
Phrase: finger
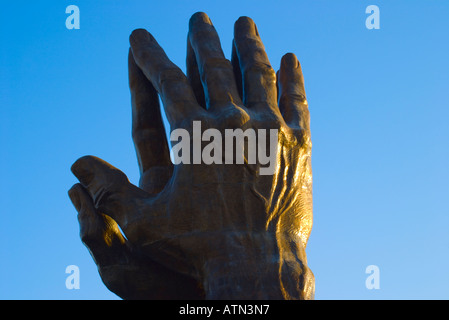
(110,190)
(169,81)
(148,131)
(193,75)
(98,232)
(236,67)
(292,96)
(215,70)
(258,77)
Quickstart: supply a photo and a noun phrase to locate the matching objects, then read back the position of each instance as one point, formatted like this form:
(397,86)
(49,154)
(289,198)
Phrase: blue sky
(379,107)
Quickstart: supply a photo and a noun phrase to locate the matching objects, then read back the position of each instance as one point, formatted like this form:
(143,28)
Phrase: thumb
(109,188)
(99,233)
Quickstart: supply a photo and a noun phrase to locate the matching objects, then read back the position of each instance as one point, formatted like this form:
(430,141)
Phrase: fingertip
(140,36)
(199,17)
(244,20)
(133,35)
(245,25)
(289,60)
(83,169)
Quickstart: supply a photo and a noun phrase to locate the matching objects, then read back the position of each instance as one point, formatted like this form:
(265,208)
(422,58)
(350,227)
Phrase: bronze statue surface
(205,230)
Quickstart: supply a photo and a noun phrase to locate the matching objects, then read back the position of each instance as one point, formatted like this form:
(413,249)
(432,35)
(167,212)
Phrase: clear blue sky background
(379,108)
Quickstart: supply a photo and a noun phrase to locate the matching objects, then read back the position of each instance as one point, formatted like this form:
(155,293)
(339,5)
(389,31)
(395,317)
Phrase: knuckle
(171,74)
(234,117)
(303,138)
(292,99)
(215,64)
(258,68)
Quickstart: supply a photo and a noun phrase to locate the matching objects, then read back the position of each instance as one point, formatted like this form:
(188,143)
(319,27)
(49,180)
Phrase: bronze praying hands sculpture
(204,231)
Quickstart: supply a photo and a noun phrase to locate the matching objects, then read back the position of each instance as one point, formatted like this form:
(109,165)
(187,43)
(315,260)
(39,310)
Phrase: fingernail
(289,60)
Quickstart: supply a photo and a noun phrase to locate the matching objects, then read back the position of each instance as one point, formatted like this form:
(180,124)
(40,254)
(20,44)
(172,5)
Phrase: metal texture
(204,231)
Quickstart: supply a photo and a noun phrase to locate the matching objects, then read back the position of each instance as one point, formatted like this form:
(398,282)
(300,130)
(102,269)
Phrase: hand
(228,231)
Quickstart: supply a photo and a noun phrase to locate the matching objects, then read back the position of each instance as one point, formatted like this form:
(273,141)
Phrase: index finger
(148,131)
(169,81)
